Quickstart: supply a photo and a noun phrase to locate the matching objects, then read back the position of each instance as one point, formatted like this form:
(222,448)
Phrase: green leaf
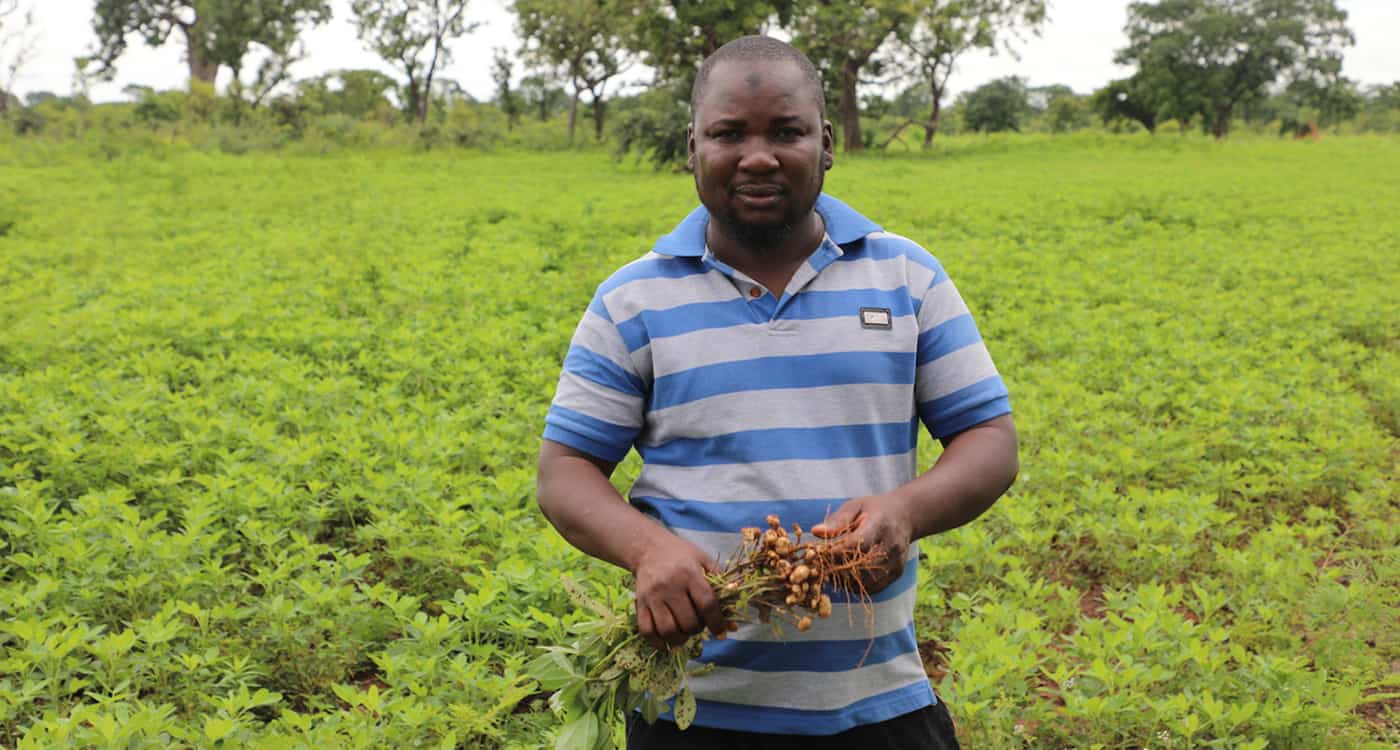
(579,734)
(581,598)
(652,708)
(216,729)
(685,708)
(553,670)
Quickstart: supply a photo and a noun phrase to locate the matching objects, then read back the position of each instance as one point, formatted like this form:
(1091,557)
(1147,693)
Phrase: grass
(268,422)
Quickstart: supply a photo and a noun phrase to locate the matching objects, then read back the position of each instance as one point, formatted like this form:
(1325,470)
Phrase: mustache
(758,188)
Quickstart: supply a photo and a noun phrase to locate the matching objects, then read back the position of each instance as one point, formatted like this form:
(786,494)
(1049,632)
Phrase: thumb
(845,519)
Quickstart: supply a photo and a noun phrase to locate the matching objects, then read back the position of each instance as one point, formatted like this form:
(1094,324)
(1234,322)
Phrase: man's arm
(977,466)
(674,601)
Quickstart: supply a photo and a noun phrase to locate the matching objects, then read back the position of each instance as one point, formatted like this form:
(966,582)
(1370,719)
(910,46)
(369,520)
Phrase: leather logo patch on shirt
(876,317)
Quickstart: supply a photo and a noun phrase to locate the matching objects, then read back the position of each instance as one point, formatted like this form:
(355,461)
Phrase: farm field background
(268,426)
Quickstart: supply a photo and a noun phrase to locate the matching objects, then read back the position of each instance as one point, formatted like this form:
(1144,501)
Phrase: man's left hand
(878,523)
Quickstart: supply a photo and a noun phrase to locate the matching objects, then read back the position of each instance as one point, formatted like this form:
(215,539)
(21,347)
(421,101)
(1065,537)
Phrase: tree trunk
(598,114)
(931,127)
(425,101)
(201,68)
(850,106)
(411,108)
(1220,124)
(573,115)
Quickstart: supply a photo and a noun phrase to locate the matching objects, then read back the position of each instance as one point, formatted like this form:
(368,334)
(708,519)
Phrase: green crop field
(268,426)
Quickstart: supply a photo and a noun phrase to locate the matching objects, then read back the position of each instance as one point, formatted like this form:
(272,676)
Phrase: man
(773,354)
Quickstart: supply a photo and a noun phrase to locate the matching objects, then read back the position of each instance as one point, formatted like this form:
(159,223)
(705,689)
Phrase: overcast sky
(1076,48)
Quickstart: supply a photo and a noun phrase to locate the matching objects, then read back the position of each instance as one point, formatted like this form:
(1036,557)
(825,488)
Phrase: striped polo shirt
(744,401)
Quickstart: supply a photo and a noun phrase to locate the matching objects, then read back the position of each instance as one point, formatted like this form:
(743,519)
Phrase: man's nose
(758,156)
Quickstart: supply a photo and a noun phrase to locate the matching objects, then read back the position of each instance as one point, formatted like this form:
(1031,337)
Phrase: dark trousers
(929,728)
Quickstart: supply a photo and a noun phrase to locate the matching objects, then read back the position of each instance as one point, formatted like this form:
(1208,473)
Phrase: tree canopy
(997,106)
(945,29)
(585,40)
(412,36)
(1205,57)
(844,38)
(218,33)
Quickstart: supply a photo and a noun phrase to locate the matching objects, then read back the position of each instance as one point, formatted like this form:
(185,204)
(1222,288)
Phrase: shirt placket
(823,256)
(761,306)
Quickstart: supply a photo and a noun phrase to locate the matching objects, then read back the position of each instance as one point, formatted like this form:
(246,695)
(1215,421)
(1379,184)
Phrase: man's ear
(828,145)
(690,147)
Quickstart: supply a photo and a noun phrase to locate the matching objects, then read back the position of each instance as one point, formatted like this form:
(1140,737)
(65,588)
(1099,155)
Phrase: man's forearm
(582,504)
(976,467)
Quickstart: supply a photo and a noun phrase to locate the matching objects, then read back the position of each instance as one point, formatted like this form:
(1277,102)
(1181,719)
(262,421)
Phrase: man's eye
(728,135)
(789,134)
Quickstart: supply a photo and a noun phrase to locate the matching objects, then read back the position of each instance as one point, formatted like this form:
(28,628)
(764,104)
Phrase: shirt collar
(843,224)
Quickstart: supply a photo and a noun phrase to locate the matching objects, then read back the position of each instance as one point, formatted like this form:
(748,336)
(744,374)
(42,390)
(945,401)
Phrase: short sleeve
(599,405)
(955,383)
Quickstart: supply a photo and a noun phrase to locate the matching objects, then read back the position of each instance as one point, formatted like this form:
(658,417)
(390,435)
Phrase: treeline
(1211,65)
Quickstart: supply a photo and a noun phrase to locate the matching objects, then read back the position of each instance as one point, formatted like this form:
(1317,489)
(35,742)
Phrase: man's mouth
(759,196)
(758,190)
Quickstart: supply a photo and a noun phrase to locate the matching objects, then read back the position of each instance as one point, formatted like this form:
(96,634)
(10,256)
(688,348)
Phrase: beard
(761,237)
(764,238)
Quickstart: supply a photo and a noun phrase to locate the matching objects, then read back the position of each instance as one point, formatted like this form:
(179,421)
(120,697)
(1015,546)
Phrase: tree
(943,30)
(275,69)
(843,37)
(35,98)
(1208,56)
(218,33)
(18,42)
(507,99)
(1066,112)
(997,106)
(673,37)
(1127,99)
(412,36)
(585,40)
(1383,95)
(1380,109)
(541,96)
(1322,102)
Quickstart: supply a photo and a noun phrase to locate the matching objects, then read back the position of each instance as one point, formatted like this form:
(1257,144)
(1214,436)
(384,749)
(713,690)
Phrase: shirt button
(755,292)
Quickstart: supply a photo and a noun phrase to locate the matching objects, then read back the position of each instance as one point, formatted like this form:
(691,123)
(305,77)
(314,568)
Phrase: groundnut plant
(774,576)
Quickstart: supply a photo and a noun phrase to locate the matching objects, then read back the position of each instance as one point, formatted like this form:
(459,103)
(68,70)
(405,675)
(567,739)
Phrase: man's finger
(686,623)
(665,627)
(646,626)
(842,521)
(708,606)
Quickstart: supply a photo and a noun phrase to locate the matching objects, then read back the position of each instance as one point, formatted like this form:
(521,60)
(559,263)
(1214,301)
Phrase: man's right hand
(674,600)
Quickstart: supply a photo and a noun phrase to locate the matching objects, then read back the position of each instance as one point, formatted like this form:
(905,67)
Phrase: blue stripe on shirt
(640,329)
(903,583)
(765,373)
(884,248)
(783,443)
(781,720)
(947,337)
(965,407)
(596,368)
(809,656)
(651,268)
(595,437)
(732,517)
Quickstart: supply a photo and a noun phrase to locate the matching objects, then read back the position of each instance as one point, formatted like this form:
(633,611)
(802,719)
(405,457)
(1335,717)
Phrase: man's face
(760,149)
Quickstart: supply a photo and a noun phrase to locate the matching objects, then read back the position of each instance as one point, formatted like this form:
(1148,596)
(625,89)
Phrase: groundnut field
(268,427)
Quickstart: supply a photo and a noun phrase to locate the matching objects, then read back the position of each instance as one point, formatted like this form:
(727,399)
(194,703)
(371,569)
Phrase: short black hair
(766,48)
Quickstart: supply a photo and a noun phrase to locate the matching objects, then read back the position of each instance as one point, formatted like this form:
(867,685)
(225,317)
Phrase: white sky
(1076,48)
